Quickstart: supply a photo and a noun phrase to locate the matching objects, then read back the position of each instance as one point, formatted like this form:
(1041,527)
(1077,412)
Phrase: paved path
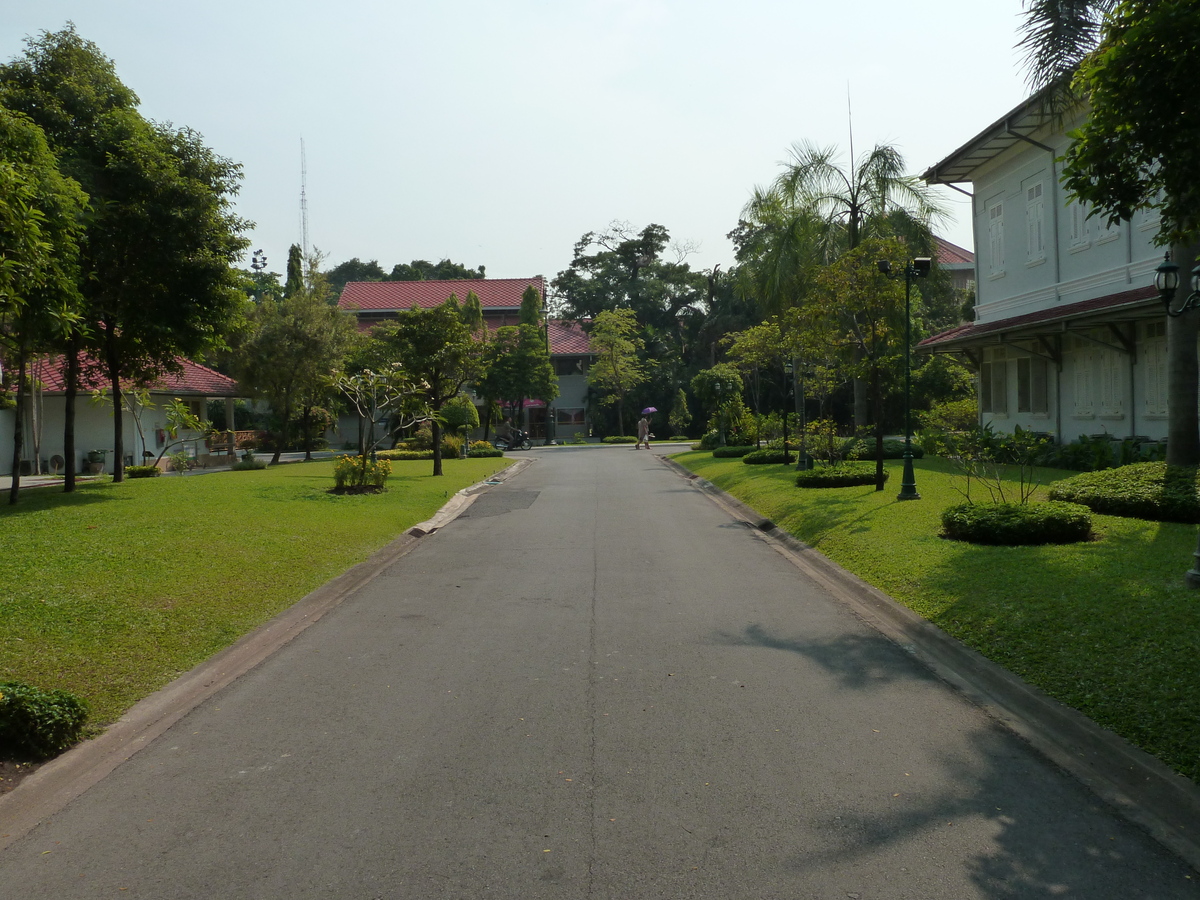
(591,685)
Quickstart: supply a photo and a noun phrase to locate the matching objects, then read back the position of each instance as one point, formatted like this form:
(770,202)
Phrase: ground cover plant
(113,591)
(1105,626)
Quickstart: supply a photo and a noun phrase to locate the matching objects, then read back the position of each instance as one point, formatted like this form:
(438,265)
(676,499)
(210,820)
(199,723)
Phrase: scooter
(517,440)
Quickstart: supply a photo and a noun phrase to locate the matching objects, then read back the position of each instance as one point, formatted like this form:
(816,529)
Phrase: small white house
(1069,336)
(144,428)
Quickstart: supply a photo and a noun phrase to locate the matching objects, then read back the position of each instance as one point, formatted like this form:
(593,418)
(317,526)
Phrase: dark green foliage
(1091,454)
(845,474)
(1151,490)
(482,454)
(405,454)
(38,723)
(423,270)
(766,456)
(620,439)
(733,452)
(1018,523)
(142,471)
(864,448)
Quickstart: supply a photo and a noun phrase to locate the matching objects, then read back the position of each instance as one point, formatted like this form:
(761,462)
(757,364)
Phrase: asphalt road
(593,684)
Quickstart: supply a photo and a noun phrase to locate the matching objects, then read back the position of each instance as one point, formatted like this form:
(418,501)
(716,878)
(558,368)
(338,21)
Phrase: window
(1152,355)
(996,240)
(993,383)
(1079,226)
(1106,232)
(1112,402)
(1035,207)
(569,418)
(1032,393)
(1083,380)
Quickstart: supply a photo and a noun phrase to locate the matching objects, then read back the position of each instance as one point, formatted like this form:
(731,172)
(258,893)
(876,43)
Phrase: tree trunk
(436,429)
(283,431)
(114,376)
(18,428)
(69,452)
(878,405)
(1183,429)
(306,425)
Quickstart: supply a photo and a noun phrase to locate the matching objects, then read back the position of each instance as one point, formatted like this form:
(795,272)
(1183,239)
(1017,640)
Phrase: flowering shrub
(360,471)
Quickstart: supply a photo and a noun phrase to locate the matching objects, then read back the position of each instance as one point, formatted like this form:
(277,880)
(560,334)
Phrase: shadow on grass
(45,498)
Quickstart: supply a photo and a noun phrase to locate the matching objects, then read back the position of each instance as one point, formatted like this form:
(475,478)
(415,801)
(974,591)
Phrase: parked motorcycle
(517,440)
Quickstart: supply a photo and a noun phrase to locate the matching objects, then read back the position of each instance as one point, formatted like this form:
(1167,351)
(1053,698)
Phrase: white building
(1069,335)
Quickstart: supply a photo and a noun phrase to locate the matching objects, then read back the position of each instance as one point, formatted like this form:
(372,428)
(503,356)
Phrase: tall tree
(517,368)
(616,369)
(295,271)
(423,270)
(354,270)
(294,350)
(40,223)
(435,347)
(150,186)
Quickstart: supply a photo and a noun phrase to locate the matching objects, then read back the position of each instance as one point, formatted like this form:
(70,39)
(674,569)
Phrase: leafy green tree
(719,390)
(616,370)
(150,185)
(531,307)
(294,349)
(472,315)
(680,417)
(459,415)
(40,224)
(435,347)
(423,270)
(353,270)
(517,368)
(295,271)
(388,394)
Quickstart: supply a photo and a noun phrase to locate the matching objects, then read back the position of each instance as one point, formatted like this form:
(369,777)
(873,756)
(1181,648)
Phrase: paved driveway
(591,685)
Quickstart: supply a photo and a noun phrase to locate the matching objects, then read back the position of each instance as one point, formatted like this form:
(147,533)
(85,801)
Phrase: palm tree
(816,210)
(1058,35)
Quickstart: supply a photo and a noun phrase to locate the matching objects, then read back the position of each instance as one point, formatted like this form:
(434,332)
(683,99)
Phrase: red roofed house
(375,302)
(194,384)
(1069,336)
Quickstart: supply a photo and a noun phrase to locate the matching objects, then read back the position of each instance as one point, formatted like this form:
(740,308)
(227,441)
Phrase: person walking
(643,434)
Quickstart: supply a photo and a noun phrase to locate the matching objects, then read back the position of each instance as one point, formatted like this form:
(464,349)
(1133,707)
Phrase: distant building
(1069,336)
(377,302)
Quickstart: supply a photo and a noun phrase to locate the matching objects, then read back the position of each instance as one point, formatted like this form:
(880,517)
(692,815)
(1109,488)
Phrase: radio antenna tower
(303,201)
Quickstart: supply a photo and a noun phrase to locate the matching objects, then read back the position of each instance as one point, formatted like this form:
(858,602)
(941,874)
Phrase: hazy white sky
(497,132)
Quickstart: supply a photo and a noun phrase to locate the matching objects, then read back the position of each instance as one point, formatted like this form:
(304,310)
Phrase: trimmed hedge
(864,448)
(767,457)
(142,471)
(38,723)
(1014,524)
(1151,490)
(405,454)
(850,474)
(620,439)
(481,453)
(731,452)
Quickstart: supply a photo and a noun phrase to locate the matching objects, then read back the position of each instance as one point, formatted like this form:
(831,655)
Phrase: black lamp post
(914,268)
(1166,279)
(788,370)
(803,460)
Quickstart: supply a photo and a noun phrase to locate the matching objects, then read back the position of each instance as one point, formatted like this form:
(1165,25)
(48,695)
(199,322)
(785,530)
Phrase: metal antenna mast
(303,201)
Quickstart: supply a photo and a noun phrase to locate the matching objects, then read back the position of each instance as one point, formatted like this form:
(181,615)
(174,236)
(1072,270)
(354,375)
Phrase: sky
(498,132)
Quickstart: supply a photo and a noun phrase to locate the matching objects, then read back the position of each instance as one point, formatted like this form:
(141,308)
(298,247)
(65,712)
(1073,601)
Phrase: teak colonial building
(1069,335)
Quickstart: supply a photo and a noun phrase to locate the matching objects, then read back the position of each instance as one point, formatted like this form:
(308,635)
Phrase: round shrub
(851,474)
(142,471)
(1018,523)
(36,722)
(767,457)
(1151,490)
(732,452)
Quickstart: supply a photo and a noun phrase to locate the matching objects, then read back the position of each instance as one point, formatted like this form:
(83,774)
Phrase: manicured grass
(113,591)
(1106,627)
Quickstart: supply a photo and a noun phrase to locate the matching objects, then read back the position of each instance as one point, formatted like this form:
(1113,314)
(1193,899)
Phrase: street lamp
(803,460)
(1166,279)
(258,261)
(914,268)
(788,370)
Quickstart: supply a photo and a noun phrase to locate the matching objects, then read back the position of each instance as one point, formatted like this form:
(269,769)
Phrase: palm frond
(1057,35)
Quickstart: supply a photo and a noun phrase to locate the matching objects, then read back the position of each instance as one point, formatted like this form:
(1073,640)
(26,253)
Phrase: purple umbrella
(649,409)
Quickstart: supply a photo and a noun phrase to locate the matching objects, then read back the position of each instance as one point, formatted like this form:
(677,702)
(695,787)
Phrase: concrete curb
(1135,784)
(68,776)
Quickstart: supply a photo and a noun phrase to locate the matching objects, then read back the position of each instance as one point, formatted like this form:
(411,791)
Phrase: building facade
(1069,335)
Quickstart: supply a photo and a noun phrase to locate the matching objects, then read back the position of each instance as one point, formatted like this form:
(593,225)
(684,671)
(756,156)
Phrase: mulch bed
(358,489)
(13,773)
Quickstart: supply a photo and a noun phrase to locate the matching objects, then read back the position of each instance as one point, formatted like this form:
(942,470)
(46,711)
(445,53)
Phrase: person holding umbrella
(644,428)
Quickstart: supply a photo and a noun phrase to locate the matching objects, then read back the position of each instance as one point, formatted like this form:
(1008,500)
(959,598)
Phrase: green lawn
(115,590)
(1106,627)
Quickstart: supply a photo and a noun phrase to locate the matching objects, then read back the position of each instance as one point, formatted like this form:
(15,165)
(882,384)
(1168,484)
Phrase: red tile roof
(963,334)
(386,296)
(567,337)
(194,379)
(949,254)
